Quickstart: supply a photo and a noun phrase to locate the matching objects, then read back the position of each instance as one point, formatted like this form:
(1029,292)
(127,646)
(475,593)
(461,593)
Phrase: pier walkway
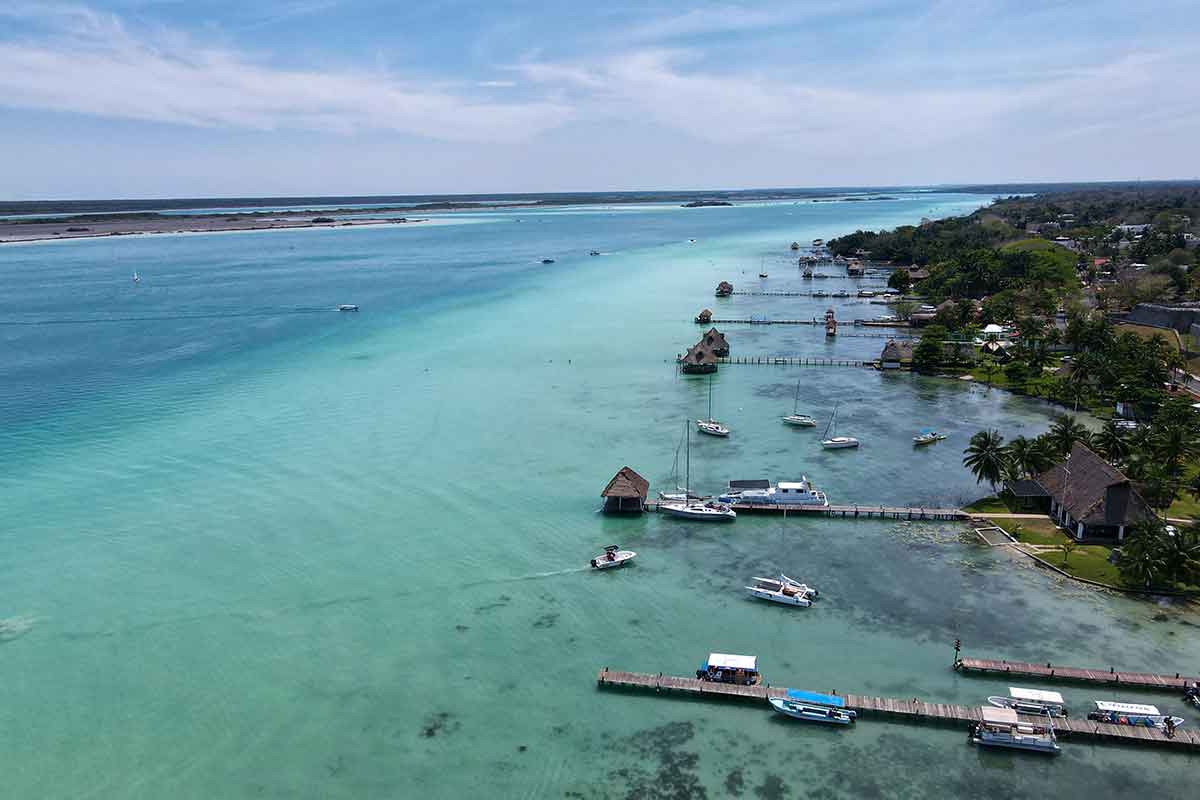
(1111,677)
(843,511)
(914,710)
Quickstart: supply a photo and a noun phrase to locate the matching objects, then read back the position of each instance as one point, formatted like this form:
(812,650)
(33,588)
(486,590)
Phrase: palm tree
(1142,562)
(985,456)
(1065,432)
(989,369)
(1173,445)
(1028,457)
(1111,442)
(1181,552)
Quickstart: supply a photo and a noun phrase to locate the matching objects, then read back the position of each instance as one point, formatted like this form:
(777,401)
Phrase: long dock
(842,511)
(914,710)
(790,361)
(1110,676)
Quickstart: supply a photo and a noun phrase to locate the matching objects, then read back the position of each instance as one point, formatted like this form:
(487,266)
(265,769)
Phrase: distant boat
(783,590)
(836,442)
(818,242)
(710,425)
(927,436)
(795,245)
(347,307)
(136,278)
(594,253)
(762,274)
(1034,702)
(796,418)
(613,556)
(841,293)
(547,260)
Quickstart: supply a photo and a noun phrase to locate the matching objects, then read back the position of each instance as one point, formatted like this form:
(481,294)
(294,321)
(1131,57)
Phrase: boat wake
(535,576)
(14,628)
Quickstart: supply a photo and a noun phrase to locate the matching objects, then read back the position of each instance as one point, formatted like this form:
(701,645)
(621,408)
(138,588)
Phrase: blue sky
(144,98)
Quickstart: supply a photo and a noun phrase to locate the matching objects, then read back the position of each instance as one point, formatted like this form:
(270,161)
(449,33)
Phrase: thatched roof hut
(1091,498)
(704,317)
(715,341)
(698,359)
(895,354)
(724,289)
(626,493)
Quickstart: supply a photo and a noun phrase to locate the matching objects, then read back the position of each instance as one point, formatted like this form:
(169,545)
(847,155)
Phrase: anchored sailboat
(688,508)
(836,442)
(796,418)
(710,425)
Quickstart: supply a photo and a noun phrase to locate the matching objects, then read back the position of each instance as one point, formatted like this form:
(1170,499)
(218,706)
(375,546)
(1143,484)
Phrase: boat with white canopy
(1032,701)
(1139,714)
(785,493)
(1000,727)
(613,556)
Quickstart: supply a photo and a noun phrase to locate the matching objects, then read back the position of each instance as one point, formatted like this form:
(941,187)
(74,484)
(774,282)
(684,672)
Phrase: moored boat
(927,436)
(1138,714)
(786,493)
(836,442)
(347,307)
(613,556)
(796,418)
(782,590)
(730,668)
(1035,702)
(1000,727)
(706,511)
(710,425)
(813,707)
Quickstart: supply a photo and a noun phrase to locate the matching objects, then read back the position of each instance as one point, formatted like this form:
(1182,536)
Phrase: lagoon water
(255,548)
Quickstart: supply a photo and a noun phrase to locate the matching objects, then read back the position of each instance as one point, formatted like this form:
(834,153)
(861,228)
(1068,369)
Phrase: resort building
(626,493)
(715,340)
(704,317)
(698,360)
(896,354)
(1091,498)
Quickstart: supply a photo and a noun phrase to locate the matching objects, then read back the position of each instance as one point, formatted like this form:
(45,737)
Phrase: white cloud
(92,64)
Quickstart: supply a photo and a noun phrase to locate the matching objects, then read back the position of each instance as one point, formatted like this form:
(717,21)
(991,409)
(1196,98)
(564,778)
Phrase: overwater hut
(704,317)
(896,354)
(698,360)
(626,493)
(830,323)
(715,341)
(795,245)
(724,289)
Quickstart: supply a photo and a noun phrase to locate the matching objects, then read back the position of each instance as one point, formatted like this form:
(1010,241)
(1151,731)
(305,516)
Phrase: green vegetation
(993,504)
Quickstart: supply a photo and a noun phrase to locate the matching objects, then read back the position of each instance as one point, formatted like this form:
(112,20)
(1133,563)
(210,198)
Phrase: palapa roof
(715,340)
(1027,488)
(896,350)
(626,483)
(1082,485)
(699,353)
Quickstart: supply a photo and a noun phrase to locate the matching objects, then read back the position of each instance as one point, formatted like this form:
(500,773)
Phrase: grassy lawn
(1088,561)
(1184,507)
(986,505)
(1033,531)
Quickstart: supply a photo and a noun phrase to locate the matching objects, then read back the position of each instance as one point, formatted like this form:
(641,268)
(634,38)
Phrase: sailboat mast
(687,483)
(710,398)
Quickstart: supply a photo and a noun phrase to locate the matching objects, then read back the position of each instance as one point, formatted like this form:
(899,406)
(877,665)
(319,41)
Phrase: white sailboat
(682,494)
(796,418)
(836,442)
(136,277)
(705,510)
(710,425)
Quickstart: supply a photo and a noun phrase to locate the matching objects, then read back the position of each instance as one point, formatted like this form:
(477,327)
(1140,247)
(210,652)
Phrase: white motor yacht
(785,493)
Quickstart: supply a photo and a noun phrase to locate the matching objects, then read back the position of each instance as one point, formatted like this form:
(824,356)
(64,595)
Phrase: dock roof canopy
(626,483)
(998,716)
(729,661)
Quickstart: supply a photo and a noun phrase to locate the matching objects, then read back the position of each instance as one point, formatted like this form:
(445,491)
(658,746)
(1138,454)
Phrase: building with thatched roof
(626,493)
(704,317)
(698,360)
(715,341)
(896,353)
(724,289)
(1091,498)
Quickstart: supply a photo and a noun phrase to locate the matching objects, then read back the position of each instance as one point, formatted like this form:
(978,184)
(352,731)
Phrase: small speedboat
(783,590)
(711,427)
(818,242)
(1033,702)
(705,512)
(594,253)
(547,260)
(613,556)
(136,277)
(800,420)
(819,293)
(841,293)
(796,708)
(347,307)
(927,436)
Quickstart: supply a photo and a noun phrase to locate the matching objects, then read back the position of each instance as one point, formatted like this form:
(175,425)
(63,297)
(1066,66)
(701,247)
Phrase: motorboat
(1000,727)
(927,436)
(807,273)
(786,493)
(594,253)
(136,277)
(820,293)
(836,442)
(783,590)
(347,307)
(818,242)
(762,275)
(865,293)
(1192,695)
(613,556)
(796,418)
(841,293)
(547,260)
(1034,702)
(705,511)
(1146,716)
(730,668)
(813,707)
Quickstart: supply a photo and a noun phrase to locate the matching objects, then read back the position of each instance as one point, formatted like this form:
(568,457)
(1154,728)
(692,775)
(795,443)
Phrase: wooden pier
(790,361)
(912,711)
(842,511)
(1110,676)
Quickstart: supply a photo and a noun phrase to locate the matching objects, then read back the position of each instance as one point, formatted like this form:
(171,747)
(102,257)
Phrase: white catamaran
(836,442)
(783,590)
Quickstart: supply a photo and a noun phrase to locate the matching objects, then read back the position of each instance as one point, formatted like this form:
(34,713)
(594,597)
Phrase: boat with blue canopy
(826,709)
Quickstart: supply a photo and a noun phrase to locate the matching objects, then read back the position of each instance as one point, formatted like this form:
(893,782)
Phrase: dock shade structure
(704,317)
(724,289)
(626,493)
(715,340)
(698,360)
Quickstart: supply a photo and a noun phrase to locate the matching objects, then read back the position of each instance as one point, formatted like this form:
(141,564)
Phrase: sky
(174,98)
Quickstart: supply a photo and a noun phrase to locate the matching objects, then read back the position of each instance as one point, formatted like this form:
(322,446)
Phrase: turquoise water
(296,553)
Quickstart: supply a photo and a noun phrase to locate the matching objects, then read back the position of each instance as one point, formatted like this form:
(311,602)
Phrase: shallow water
(256,548)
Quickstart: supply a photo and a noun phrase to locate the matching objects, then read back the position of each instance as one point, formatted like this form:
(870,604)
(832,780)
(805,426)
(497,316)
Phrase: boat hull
(620,559)
(800,421)
(1050,749)
(839,443)
(699,514)
(779,597)
(812,713)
